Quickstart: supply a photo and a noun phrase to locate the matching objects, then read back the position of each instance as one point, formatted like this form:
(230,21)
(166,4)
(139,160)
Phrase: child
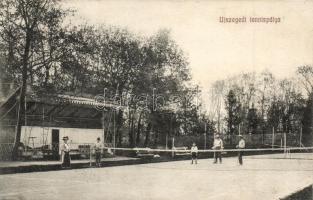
(217,145)
(194,153)
(241,145)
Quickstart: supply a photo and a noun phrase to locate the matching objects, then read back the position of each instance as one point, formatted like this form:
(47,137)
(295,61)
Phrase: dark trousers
(217,155)
(240,154)
(98,157)
(194,156)
(66,160)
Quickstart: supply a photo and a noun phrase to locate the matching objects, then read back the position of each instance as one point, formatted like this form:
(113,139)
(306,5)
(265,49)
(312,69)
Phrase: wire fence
(6,150)
(50,151)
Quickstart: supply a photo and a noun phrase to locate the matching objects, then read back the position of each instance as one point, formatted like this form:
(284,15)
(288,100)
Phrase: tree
(216,100)
(233,108)
(266,84)
(253,120)
(86,60)
(164,72)
(6,75)
(23,24)
(305,75)
(308,122)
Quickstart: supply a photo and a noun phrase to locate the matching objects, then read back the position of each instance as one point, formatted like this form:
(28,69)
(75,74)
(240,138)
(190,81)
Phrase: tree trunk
(132,130)
(21,101)
(47,76)
(147,139)
(119,125)
(138,129)
(130,134)
(156,137)
(262,115)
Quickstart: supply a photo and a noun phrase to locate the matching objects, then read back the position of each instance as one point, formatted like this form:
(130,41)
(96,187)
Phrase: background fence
(230,141)
(48,152)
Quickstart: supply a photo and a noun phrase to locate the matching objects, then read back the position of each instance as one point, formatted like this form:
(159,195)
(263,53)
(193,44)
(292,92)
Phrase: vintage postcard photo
(156,100)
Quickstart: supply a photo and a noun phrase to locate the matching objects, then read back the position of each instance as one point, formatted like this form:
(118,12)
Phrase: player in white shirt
(194,153)
(65,153)
(241,145)
(218,145)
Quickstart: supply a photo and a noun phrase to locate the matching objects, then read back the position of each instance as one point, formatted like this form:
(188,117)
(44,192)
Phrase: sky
(216,50)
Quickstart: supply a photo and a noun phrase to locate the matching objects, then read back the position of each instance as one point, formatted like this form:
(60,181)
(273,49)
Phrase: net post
(166,141)
(173,147)
(205,136)
(285,142)
(300,139)
(273,138)
(286,151)
(114,131)
(90,154)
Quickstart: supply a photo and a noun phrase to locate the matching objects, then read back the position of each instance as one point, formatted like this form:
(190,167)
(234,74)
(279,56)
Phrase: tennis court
(261,177)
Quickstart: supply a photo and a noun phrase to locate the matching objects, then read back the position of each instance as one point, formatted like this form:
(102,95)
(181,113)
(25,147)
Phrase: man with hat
(241,145)
(218,145)
(65,153)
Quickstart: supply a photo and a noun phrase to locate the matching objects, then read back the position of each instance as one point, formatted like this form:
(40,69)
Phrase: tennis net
(181,152)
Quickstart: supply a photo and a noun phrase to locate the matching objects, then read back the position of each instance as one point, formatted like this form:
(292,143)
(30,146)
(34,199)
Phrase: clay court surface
(261,177)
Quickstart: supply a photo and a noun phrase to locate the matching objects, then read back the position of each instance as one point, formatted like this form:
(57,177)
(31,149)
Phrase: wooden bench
(180,153)
(144,153)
